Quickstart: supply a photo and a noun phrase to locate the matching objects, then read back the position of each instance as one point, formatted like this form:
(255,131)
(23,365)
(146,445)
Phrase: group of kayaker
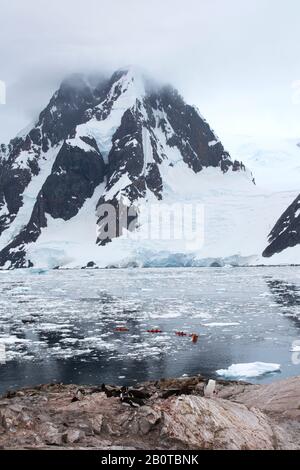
(193,336)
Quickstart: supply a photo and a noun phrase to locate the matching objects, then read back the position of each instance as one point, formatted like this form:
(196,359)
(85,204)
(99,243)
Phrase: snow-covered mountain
(129,142)
(286,233)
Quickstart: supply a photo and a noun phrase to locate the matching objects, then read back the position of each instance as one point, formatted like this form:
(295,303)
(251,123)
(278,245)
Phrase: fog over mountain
(246,69)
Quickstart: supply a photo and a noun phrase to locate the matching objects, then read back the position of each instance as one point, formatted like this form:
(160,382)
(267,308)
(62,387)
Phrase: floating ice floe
(221,324)
(12,340)
(252,369)
(165,315)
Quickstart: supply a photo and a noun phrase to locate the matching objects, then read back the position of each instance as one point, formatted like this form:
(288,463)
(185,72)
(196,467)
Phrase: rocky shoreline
(168,414)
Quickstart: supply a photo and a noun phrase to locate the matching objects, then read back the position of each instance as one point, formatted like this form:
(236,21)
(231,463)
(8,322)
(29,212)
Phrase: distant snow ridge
(128,142)
(275,161)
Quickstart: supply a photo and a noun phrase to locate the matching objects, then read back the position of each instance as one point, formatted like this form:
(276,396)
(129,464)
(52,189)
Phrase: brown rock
(200,423)
(8,418)
(149,418)
(51,435)
(73,436)
(96,424)
(278,398)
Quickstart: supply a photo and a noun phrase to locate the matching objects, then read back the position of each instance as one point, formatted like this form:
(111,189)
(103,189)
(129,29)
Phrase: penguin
(210,389)
(129,398)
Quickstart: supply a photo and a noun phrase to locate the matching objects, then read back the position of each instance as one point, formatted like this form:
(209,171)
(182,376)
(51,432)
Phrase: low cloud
(235,60)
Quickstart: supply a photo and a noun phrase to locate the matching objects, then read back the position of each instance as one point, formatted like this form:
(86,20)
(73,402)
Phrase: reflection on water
(287,295)
(60,326)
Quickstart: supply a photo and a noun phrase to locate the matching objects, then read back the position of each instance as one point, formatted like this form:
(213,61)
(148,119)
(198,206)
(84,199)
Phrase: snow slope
(236,225)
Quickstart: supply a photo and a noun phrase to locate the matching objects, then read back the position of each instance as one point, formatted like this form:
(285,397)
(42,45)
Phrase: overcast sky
(235,59)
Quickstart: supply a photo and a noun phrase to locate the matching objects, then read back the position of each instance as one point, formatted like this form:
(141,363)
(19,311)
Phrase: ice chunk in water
(252,369)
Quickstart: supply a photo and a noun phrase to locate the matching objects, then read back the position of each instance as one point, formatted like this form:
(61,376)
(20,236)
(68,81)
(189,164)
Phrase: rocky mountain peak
(286,232)
(123,138)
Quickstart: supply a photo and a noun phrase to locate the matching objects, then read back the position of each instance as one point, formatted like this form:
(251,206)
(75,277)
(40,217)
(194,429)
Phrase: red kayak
(194,337)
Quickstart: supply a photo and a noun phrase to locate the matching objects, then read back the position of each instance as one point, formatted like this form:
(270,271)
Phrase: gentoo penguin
(129,398)
(210,389)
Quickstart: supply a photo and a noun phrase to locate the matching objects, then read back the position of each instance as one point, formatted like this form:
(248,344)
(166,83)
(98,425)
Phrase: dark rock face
(192,135)
(70,155)
(12,184)
(126,155)
(286,232)
(66,109)
(75,175)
